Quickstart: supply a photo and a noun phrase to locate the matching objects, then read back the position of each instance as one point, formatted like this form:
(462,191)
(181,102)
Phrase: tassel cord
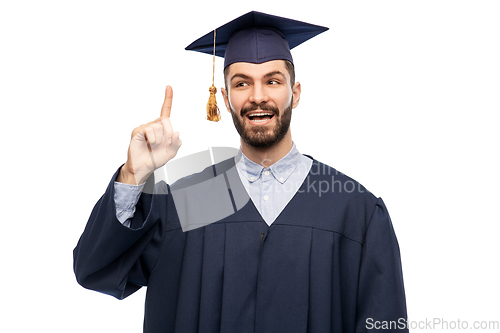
(213,113)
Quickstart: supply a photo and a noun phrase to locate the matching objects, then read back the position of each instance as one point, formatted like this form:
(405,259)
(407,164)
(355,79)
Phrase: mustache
(262,106)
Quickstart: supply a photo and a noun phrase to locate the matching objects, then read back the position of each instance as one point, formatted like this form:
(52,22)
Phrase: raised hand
(152,145)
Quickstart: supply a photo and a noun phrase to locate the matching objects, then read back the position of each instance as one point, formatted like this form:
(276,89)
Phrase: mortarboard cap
(256,38)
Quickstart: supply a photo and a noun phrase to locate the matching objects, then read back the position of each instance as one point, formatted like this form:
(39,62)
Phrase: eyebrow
(273,73)
(243,76)
(268,75)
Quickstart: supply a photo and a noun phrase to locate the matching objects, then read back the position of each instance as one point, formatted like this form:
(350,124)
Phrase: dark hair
(289,67)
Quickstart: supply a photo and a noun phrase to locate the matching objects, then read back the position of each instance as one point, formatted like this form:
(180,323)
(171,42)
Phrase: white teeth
(261,114)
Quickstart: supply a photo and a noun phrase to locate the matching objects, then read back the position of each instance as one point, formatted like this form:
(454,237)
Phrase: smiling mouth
(260,117)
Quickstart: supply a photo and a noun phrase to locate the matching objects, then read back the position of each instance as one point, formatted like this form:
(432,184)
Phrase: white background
(403,96)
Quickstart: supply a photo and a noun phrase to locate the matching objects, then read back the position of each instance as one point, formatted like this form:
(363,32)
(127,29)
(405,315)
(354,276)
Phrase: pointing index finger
(167,104)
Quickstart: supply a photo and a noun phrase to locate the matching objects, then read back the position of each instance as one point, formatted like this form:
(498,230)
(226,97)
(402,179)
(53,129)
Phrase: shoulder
(333,182)
(345,205)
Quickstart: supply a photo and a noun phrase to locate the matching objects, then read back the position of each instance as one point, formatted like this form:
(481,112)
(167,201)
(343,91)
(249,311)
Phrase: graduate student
(282,254)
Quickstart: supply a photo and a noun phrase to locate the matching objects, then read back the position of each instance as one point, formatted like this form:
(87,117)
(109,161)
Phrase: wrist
(127,176)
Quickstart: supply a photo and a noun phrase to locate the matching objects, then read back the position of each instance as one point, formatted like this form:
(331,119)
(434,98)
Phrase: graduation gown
(330,262)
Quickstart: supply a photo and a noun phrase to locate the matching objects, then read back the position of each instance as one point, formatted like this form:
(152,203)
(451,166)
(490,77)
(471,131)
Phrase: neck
(270,155)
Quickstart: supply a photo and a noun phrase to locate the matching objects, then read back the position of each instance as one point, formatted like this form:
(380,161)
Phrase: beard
(260,136)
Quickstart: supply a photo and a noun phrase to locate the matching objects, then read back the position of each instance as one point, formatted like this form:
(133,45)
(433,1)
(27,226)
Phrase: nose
(259,94)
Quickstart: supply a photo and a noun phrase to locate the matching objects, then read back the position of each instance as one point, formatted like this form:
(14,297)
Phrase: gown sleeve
(112,258)
(381,295)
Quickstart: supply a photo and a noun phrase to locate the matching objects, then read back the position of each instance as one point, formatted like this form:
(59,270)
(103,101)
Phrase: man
(291,259)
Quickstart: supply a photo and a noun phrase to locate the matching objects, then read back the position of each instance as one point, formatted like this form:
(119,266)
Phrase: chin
(264,135)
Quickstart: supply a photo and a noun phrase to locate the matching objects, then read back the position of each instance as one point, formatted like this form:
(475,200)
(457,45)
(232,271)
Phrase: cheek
(235,101)
(284,100)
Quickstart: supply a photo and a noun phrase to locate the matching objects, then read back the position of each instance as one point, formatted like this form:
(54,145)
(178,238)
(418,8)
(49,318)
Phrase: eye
(241,84)
(273,82)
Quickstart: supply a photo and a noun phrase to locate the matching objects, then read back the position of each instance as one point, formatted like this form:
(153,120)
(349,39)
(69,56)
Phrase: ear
(226,99)
(296,89)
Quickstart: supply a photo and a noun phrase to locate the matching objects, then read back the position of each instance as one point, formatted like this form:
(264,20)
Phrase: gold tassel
(213,113)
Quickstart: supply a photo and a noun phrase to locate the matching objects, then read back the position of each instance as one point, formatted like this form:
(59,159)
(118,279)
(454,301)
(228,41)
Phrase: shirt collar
(280,170)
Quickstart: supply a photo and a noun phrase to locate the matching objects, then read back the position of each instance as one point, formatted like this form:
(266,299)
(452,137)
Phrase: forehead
(257,71)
